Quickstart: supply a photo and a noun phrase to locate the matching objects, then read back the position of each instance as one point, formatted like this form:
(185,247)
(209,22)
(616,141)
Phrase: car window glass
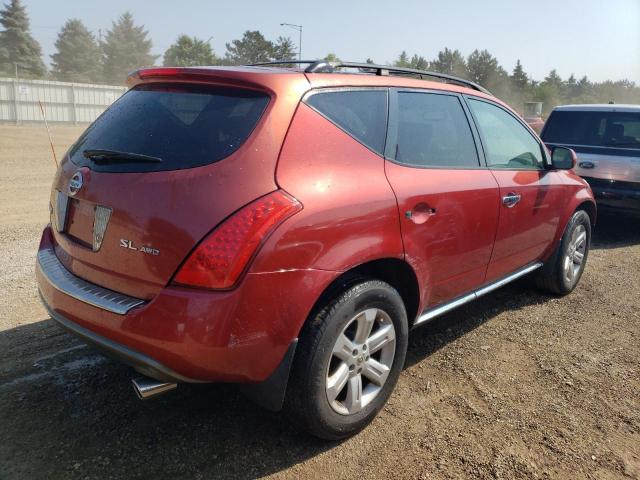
(594,128)
(433,131)
(361,113)
(185,125)
(507,143)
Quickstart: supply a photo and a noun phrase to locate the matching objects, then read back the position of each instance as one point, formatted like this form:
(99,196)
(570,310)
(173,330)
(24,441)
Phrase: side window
(433,131)
(507,143)
(360,113)
(623,130)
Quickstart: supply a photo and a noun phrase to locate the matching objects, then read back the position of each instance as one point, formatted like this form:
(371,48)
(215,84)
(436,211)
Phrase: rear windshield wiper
(116,156)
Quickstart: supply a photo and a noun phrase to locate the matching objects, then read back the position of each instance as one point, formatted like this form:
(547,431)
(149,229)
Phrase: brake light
(219,260)
(159,72)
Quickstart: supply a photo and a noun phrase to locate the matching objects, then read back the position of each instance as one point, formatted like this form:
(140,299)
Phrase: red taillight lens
(159,72)
(222,256)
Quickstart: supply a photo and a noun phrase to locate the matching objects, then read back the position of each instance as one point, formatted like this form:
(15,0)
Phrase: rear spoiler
(210,75)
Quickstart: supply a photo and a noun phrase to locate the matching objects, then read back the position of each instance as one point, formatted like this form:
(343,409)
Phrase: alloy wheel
(360,362)
(576,251)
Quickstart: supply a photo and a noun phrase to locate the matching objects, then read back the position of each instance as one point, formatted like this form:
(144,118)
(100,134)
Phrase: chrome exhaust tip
(146,387)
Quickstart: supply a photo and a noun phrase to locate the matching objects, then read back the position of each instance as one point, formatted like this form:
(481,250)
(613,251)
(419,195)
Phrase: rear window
(184,126)
(360,113)
(600,129)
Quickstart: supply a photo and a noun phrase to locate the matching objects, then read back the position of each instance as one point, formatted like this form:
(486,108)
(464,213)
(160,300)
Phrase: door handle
(511,199)
(420,213)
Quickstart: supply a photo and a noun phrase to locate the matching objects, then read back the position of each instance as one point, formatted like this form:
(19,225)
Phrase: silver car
(607,141)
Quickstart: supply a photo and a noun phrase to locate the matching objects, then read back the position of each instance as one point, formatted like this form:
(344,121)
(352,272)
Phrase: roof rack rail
(322,66)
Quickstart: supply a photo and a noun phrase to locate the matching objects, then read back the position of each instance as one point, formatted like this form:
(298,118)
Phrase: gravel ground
(517,385)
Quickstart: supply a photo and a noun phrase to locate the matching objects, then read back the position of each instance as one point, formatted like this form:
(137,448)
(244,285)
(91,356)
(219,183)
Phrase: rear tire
(561,273)
(349,357)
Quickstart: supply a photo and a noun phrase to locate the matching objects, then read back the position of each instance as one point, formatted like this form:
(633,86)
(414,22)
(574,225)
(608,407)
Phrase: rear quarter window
(184,126)
(360,113)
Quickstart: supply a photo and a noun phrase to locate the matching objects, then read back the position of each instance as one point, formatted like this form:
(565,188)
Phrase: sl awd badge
(128,244)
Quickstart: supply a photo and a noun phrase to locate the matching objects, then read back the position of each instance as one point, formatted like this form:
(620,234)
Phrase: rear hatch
(607,142)
(166,163)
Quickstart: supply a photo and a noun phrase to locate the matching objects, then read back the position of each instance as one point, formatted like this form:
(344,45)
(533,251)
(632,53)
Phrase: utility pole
(299,29)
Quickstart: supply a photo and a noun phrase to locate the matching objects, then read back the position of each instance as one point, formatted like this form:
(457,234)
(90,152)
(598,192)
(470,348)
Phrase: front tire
(349,357)
(562,272)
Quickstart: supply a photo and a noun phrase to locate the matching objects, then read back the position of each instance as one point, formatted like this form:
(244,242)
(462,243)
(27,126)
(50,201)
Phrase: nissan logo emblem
(75,184)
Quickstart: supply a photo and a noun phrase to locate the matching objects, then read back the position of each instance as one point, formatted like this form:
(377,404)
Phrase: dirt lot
(517,385)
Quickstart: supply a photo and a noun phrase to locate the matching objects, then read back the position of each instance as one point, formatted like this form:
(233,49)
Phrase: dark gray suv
(607,141)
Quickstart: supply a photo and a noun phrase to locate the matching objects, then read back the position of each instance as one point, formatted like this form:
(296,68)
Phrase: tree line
(517,87)
(126,46)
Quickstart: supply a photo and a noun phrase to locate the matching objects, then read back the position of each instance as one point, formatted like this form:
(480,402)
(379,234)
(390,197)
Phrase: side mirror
(563,158)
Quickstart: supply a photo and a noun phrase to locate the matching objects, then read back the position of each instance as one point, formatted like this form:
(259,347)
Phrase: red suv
(285,228)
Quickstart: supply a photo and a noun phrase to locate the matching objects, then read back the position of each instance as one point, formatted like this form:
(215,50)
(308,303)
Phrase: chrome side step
(446,307)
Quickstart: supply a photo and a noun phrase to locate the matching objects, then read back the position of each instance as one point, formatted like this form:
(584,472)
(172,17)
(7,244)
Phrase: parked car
(285,228)
(607,141)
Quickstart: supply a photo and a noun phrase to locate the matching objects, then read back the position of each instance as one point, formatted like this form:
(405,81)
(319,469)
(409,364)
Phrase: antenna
(46,124)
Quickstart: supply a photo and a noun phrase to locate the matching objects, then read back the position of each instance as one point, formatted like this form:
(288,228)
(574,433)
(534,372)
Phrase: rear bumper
(142,363)
(189,335)
(615,194)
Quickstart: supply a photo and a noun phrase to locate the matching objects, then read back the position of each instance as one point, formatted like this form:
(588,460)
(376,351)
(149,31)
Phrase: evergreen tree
(125,48)
(17,45)
(189,52)
(484,68)
(450,62)
(403,60)
(519,78)
(284,49)
(419,62)
(553,79)
(78,55)
(571,88)
(550,92)
(251,48)
(331,57)
(584,91)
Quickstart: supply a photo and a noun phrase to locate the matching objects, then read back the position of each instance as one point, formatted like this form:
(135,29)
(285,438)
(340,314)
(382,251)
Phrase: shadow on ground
(616,229)
(72,412)
(66,411)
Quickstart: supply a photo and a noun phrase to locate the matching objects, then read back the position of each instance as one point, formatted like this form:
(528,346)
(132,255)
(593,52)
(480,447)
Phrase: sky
(597,38)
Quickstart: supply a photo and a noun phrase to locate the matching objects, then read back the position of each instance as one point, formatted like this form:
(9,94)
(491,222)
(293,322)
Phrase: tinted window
(184,126)
(507,143)
(361,113)
(433,131)
(601,129)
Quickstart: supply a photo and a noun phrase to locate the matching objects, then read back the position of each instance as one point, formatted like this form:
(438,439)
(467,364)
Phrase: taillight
(219,260)
(159,72)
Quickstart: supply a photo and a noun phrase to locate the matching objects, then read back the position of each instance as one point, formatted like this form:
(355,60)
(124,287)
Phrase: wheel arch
(582,200)
(396,272)
(589,206)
